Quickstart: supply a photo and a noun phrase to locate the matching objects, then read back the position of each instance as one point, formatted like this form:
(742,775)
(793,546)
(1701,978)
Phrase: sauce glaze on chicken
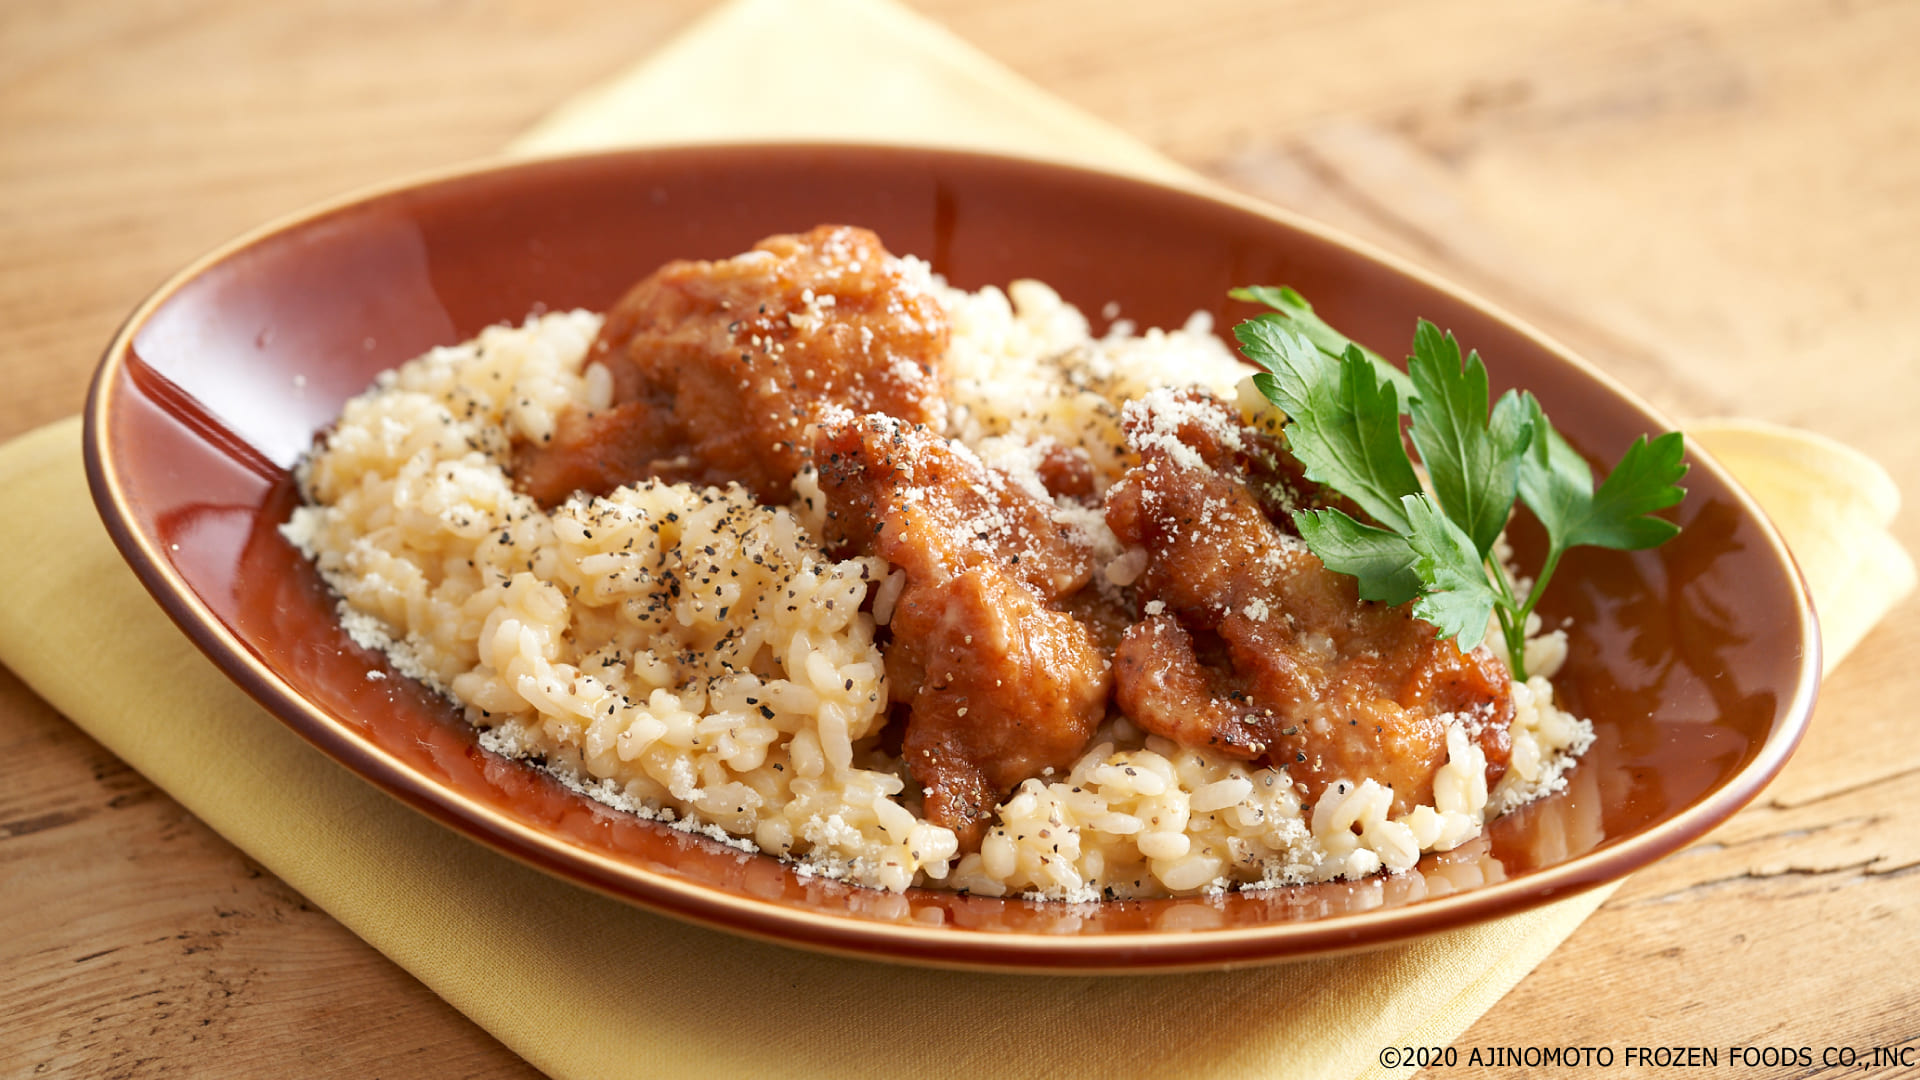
(1008,643)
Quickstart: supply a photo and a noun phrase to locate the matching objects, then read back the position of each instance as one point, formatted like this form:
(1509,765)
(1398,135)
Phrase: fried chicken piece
(1002,684)
(1299,670)
(1162,684)
(1065,471)
(932,508)
(1194,425)
(718,368)
(1002,689)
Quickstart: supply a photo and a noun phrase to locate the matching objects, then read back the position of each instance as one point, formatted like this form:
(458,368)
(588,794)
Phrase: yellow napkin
(835,70)
(582,986)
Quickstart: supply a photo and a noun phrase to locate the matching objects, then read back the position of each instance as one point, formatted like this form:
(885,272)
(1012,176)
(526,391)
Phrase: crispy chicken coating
(1252,647)
(719,367)
(823,349)
(1002,685)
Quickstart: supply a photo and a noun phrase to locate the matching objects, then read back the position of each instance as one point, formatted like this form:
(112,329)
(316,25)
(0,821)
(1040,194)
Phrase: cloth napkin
(584,986)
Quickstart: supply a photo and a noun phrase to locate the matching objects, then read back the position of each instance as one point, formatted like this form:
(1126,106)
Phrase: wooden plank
(137,941)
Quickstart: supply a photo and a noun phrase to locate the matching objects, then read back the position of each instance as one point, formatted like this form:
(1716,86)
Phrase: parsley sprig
(1436,547)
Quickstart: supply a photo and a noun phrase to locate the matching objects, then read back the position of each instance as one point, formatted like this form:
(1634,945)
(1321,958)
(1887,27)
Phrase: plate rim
(918,944)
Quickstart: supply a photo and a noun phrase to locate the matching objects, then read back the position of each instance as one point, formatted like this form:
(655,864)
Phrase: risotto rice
(694,657)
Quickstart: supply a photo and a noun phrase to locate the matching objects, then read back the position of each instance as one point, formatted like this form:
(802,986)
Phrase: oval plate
(1697,662)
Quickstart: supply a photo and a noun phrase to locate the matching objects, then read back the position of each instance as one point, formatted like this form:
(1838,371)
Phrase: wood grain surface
(1717,202)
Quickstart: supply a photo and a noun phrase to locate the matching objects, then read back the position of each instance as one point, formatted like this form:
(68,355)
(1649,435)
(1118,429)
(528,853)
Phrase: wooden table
(1720,203)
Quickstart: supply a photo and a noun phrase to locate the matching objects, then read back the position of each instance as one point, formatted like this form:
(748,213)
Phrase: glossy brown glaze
(719,369)
(1696,662)
(1000,684)
(1292,649)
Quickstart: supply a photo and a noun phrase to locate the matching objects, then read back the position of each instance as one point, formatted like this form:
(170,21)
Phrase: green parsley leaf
(1555,481)
(1331,343)
(1294,367)
(1458,598)
(1380,560)
(1557,485)
(1472,462)
(1644,480)
(1343,423)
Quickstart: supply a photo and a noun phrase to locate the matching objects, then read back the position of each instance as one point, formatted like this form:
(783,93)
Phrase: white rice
(695,658)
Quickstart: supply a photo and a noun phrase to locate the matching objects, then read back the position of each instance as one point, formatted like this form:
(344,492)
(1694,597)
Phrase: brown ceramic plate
(1697,662)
